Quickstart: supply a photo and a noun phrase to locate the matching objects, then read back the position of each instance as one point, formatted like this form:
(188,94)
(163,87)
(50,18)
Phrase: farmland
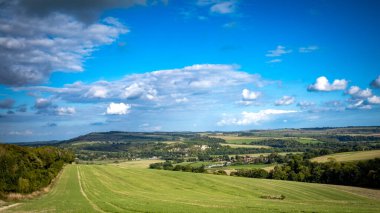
(129,187)
(246,146)
(349,156)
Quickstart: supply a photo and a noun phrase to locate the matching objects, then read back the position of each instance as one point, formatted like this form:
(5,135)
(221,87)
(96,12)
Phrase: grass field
(129,187)
(265,154)
(233,139)
(244,166)
(349,156)
(246,146)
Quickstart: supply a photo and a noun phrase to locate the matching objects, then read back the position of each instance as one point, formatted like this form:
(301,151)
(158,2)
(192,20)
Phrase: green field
(246,146)
(349,156)
(265,154)
(243,166)
(233,139)
(132,188)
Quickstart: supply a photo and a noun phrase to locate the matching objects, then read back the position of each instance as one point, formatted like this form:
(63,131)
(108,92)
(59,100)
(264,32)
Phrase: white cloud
(97,92)
(247,118)
(158,86)
(133,91)
(356,92)
(374,100)
(181,100)
(250,95)
(308,49)
(25,132)
(32,47)
(323,84)
(285,100)
(277,60)
(202,3)
(225,7)
(118,108)
(305,104)
(358,104)
(279,51)
(376,83)
(65,110)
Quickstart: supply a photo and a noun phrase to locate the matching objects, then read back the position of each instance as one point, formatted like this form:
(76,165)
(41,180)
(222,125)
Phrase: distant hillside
(349,156)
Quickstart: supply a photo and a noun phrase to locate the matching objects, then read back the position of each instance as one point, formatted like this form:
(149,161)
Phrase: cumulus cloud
(248,95)
(32,47)
(7,103)
(285,100)
(376,83)
(97,92)
(356,92)
(65,110)
(157,86)
(247,118)
(46,106)
(279,51)
(308,49)
(43,104)
(323,84)
(224,7)
(118,109)
(374,100)
(85,10)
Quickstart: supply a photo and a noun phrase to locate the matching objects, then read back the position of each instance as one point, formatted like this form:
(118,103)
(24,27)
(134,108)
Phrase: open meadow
(131,187)
(349,156)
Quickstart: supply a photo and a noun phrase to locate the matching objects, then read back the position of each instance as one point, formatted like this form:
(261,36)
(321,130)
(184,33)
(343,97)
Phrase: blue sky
(70,68)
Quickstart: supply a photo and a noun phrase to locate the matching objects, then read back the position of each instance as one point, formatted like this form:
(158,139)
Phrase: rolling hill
(128,187)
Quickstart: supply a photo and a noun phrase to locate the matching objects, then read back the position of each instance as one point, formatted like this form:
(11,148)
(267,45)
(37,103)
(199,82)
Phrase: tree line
(357,173)
(27,169)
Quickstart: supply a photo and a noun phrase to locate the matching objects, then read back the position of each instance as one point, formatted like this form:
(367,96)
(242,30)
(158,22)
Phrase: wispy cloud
(285,100)
(308,49)
(224,7)
(277,60)
(247,118)
(157,86)
(279,51)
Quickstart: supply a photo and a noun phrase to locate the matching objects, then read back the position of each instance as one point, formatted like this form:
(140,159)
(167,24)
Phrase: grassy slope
(125,188)
(247,140)
(349,156)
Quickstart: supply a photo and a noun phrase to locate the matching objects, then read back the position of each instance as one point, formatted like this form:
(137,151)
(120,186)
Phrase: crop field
(349,156)
(128,187)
